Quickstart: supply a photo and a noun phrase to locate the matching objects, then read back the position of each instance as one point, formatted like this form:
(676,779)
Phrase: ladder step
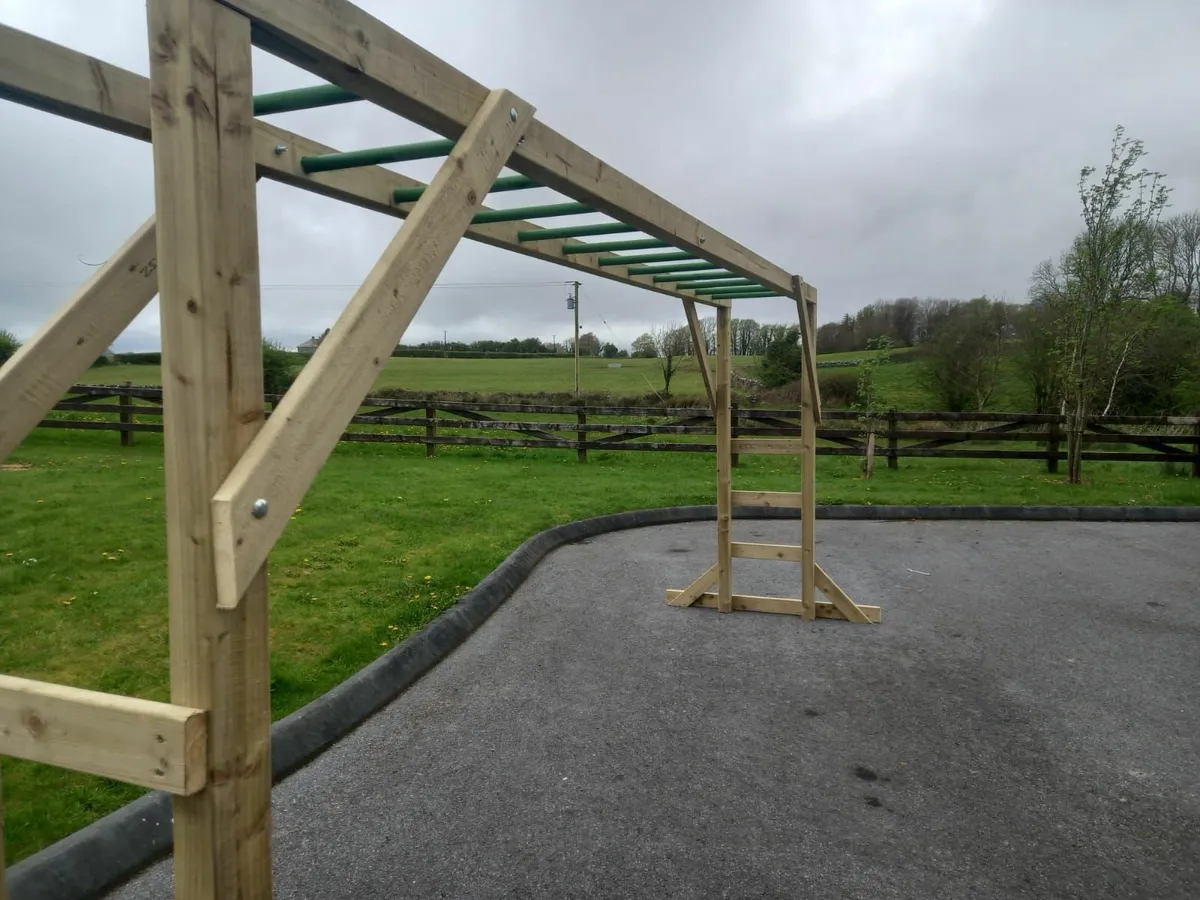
(780,499)
(789,552)
(785,605)
(765,445)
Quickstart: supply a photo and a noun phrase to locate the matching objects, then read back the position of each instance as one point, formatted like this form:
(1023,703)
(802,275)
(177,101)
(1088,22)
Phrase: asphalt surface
(1025,723)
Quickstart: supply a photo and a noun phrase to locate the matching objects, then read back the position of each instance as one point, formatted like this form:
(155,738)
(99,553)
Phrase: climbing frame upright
(232,474)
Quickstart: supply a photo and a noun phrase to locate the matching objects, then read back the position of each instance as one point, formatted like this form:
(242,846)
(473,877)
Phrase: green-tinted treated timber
(377,156)
(302,98)
(672,267)
(644,258)
(485,216)
(745,289)
(574,231)
(682,279)
(744,285)
(763,293)
(506,183)
(700,286)
(607,246)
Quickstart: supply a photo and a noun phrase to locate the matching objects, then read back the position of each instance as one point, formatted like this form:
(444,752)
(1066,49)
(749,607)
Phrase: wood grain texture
(155,745)
(204,177)
(849,610)
(692,592)
(721,418)
(701,347)
(750,550)
(772,499)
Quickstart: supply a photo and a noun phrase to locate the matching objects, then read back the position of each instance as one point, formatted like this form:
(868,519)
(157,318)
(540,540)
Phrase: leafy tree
(1036,358)
(279,367)
(589,344)
(643,347)
(609,351)
(961,360)
(8,345)
(671,345)
(781,360)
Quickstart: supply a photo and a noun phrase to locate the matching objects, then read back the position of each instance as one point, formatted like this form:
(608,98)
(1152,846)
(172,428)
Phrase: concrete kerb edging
(109,851)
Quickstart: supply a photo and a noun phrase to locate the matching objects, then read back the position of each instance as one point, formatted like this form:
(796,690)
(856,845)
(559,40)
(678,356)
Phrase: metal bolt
(512,113)
(260,508)
(280,149)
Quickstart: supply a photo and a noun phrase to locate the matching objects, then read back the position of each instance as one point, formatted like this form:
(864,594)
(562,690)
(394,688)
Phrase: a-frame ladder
(836,603)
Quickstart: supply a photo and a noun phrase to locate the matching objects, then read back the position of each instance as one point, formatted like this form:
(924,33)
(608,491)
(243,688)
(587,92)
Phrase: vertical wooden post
(126,417)
(734,458)
(893,441)
(430,431)
(869,462)
(808,482)
(581,436)
(1052,447)
(202,122)
(721,419)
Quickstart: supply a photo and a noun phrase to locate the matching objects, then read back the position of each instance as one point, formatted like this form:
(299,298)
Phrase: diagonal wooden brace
(280,464)
(806,306)
(698,342)
(695,590)
(841,600)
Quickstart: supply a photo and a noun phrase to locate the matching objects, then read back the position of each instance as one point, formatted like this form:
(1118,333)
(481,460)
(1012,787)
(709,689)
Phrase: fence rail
(893,435)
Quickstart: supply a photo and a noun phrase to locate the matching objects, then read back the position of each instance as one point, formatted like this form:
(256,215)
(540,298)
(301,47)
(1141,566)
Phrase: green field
(385,540)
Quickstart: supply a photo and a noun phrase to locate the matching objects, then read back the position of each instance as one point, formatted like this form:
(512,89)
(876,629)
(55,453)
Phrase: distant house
(309,347)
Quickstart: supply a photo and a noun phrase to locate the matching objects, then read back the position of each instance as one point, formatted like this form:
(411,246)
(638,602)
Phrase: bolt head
(259,510)
(512,113)
(280,149)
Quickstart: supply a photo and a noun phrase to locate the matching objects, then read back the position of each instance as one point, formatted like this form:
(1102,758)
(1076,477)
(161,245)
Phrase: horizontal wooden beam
(748,550)
(783,605)
(767,445)
(155,745)
(39,73)
(383,66)
(770,499)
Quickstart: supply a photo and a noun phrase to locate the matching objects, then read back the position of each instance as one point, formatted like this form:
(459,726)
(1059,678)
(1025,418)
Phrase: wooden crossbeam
(155,745)
(693,591)
(749,550)
(774,499)
(701,348)
(48,76)
(281,464)
(783,605)
(790,446)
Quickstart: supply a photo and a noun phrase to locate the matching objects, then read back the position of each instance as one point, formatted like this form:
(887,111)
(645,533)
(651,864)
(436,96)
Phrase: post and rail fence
(966,435)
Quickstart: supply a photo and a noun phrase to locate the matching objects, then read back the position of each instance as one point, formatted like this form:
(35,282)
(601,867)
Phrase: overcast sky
(879,148)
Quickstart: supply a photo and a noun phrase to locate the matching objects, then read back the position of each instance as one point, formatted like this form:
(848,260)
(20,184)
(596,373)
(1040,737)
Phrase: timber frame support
(231,474)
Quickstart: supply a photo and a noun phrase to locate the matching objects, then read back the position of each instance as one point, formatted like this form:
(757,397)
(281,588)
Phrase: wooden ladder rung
(747,550)
(784,605)
(778,499)
(766,445)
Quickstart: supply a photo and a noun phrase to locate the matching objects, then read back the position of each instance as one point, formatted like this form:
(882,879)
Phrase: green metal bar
(682,279)
(762,293)
(644,258)
(745,289)
(574,231)
(506,183)
(352,159)
(485,216)
(302,98)
(714,287)
(606,246)
(672,267)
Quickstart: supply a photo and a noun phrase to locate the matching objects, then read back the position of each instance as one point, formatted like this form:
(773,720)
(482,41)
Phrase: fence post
(733,431)
(430,432)
(869,463)
(126,416)
(581,436)
(893,442)
(1053,446)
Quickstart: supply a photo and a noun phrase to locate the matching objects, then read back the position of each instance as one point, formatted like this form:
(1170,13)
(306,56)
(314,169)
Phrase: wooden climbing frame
(233,475)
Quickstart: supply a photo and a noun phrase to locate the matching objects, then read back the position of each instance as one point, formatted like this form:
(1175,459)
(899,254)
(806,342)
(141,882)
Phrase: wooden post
(721,418)
(202,122)
(1052,447)
(893,443)
(808,481)
(430,431)
(581,436)
(126,417)
(734,458)
(869,462)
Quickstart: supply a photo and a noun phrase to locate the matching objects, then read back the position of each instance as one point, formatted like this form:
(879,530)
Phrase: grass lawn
(385,540)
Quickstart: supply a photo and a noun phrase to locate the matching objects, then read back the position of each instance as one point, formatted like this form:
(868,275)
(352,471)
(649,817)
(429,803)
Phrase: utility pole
(575,306)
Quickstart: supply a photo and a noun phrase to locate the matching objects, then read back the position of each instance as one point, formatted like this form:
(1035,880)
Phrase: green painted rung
(607,246)
(352,159)
(302,98)
(505,183)
(485,216)
(701,287)
(672,267)
(644,258)
(574,231)
(682,279)
(736,296)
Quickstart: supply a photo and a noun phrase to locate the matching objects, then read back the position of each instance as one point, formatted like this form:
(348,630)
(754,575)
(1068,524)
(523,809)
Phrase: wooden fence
(892,436)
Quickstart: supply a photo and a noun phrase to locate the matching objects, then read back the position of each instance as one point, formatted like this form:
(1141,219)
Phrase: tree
(589,344)
(1177,263)
(961,362)
(1109,267)
(781,361)
(671,345)
(643,347)
(609,351)
(1036,356)
(8,345)
(279,370)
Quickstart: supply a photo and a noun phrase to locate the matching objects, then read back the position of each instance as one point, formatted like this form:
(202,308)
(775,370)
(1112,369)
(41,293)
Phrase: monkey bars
(232,474)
